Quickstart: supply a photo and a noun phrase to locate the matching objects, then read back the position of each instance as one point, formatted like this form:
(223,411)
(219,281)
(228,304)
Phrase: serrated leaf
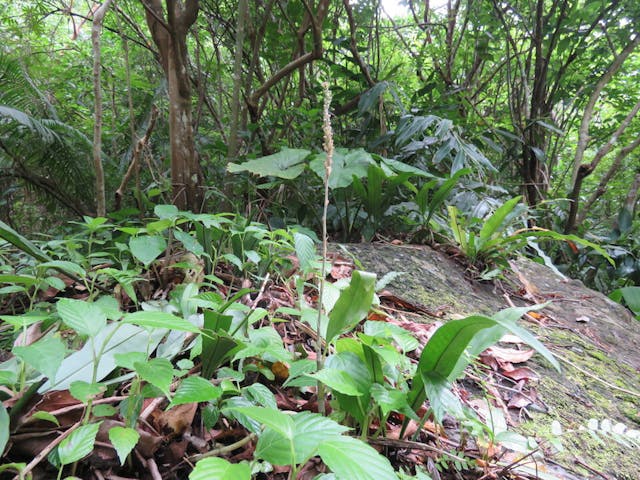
(195,389)
(160,320)
(157,371)
(79,444)
(220,469)
(124,440)
(350,458)
(84,317)
(46,355)
(147,248)
(83,391)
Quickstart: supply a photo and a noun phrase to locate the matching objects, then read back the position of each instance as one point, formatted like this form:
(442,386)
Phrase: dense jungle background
(169,171)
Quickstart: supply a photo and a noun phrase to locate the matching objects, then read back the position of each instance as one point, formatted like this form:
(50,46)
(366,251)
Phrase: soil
(596,397)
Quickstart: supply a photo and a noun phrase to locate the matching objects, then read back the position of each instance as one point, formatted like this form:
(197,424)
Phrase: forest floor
(596,397)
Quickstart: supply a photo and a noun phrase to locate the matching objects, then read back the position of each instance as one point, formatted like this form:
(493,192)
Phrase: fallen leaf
(509,354)
(522,373)
(178,418)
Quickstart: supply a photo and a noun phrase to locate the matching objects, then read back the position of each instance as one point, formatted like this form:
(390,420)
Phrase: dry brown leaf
(177,419)
(522,373)
(509,354)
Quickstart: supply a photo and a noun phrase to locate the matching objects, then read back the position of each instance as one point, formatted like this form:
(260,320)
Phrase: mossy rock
(596,340)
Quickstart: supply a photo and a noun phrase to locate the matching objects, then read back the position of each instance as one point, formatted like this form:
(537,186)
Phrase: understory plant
(206,344)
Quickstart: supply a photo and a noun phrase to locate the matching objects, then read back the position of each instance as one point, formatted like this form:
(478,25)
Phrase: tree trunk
(243,10)
(96,30)
(170,36)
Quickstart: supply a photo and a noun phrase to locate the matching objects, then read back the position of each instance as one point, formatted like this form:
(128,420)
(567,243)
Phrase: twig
(45,451)
(408,444)
(79,406)
(222,450)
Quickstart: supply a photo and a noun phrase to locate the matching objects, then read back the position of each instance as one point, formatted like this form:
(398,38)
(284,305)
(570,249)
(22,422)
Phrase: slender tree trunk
(170,36)
(243,8)
(96,30)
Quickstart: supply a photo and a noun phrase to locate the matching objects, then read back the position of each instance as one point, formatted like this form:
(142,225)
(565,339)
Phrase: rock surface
(596,340)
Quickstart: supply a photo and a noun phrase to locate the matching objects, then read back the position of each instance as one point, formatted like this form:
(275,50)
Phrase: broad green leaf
(195,389)
(272,418)
(441,399)
(46,416)
(83,391)
(65,266)
(631,297)
(124,440)
(84,317)
(338,381)
(189,242)
(4,428)
(160,320)
(305,251)
(352,305)
(346,164)
(399,335)
(157,371)
(220,469)
(260,395)
(391,401)
(311,430)
(17,240)
(352,459)
(164,212)
(113,339)
(45,355)
(27,280)
(23,321)
(287,164)
(79,444)
(147,248)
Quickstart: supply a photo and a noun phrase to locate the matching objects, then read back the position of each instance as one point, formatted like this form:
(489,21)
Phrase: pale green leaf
(45,355)
(287,164)
(114,339)
(160,320)
(338,381)
(352,459)
(124,440)
(147,248)
(220,469)
(84,317)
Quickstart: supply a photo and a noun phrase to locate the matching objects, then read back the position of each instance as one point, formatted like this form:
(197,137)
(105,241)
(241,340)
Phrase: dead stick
(135,155)
(45,451)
